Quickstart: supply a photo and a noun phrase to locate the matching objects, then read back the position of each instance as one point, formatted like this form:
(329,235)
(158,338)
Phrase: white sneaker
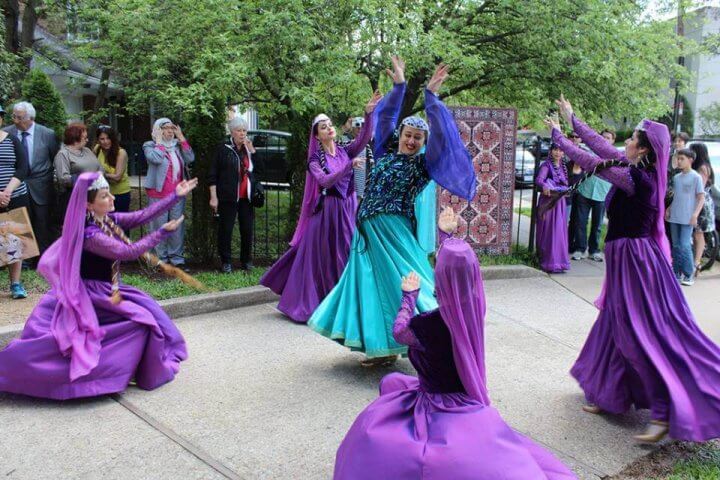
(687,281)
(579,255)
(597,256)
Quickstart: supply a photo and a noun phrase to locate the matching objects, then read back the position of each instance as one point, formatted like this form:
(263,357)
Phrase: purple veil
(659,137)
(74,323)
(311,193)
(461,296)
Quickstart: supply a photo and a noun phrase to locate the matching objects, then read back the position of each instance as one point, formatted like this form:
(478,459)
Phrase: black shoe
(227,268)
(246,266)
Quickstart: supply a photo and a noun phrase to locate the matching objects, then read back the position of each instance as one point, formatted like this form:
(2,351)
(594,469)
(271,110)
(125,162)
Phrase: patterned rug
(489,135)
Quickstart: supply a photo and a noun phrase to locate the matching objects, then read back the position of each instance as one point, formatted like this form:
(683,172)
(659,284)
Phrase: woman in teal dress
(360,310)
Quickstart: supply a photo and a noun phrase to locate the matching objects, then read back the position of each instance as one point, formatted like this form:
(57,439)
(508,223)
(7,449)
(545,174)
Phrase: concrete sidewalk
(264,398)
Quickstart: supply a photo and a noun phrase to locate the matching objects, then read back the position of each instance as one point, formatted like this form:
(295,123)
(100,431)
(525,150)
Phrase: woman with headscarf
(360,310)
(645,348)
(706,219)
(552,225)
(441,425)
(320,246)
(90,334)
(168,155)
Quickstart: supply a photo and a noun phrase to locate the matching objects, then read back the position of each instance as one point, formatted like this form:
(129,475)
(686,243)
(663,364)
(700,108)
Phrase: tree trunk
(11,12)
(102,91)
(29,21)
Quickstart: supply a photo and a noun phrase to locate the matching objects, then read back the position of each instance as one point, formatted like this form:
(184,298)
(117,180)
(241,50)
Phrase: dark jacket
(40,180)
(225,171)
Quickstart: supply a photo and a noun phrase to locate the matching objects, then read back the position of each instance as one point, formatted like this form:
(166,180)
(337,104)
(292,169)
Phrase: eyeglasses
(17,117)
(103,128)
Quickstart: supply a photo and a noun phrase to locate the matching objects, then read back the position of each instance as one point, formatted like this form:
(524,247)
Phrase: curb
(179,308)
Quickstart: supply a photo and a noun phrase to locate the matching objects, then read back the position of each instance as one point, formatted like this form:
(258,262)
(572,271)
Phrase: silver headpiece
(416,122)
(320,118)
(99,183)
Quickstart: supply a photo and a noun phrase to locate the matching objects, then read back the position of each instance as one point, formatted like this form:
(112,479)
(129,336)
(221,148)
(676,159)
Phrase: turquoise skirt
(360,311)
(426,215)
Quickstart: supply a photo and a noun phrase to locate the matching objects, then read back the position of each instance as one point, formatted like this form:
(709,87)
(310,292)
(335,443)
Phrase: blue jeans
(582,208)
(171,249)
(682,253)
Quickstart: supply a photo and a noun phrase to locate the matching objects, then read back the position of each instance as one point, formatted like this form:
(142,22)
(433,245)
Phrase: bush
(40,91)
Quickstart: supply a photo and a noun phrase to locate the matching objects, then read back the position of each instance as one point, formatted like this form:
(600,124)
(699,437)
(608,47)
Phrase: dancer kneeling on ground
(441,425)
(552,226)
(360,310)
(645,348)
(319,249)
(91,335)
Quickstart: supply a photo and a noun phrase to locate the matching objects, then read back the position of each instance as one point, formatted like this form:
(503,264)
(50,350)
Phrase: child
(688,200)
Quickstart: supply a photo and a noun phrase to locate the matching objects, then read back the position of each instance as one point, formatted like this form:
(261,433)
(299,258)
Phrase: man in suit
(41,145)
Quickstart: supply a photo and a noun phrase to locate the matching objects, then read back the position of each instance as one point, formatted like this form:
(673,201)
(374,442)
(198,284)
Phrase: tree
(40,91)
(686,121)
(8,71)
(710,119)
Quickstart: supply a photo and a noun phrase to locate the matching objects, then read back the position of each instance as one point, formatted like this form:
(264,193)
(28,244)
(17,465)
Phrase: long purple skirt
(552,238)
(409,434)
(645,348)
(309,270)
(141,342)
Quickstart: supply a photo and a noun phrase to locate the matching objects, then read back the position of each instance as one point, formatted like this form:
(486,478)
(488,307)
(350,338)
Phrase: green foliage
(9,69)
(710,119)
(40,91)
(687,119)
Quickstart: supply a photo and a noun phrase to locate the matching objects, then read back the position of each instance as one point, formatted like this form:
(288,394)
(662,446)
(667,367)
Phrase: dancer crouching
(91,335)
(441,425)
(645,348)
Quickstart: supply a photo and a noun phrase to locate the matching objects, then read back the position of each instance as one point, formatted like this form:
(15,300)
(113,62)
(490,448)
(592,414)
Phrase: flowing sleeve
(386,115)
(401,328)
(327,180)
(443,235)
(141,217)
(446,159)
(112,248)
(617,175)
(542,180)
(358,145)
(595,141)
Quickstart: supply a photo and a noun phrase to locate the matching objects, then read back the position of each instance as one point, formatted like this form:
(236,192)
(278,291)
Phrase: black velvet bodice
(434,362)
(95,267)
(633,216)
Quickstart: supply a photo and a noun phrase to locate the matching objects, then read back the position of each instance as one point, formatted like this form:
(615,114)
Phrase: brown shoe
(590,408)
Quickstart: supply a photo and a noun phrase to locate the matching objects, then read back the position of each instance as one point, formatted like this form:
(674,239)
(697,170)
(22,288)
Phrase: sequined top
(394,182)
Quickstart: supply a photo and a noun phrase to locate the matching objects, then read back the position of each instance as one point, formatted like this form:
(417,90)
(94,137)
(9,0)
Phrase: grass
(677,461)
(519,256)
(702,464)
(157,285)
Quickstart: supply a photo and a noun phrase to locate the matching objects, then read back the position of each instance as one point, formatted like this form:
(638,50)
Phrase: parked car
(271,162)
(524,166)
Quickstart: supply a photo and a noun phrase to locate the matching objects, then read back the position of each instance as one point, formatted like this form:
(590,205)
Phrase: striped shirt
(10,166)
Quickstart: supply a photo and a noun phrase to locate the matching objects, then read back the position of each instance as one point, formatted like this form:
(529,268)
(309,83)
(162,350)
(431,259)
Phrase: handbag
(257,195)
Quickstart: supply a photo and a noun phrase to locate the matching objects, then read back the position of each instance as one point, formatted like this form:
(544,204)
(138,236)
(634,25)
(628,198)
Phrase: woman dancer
(645,348)
(552,225)
(441,425)
(360,310)
(321,243)
(91,335)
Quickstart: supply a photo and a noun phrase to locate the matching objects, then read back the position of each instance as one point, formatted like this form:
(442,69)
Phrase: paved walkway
(263,398)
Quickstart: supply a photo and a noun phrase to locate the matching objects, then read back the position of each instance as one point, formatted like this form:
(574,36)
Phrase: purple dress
(552,228)
(440,425)
(645,348)
(307,272)
(137,339)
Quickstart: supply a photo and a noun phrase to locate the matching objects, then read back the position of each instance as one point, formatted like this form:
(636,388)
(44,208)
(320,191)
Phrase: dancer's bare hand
(566,109)
(410,283)
(185,187)
(448,220)
(372,103)
(398,71)
(173,225)
(358,163)
(440,75)
(552,122)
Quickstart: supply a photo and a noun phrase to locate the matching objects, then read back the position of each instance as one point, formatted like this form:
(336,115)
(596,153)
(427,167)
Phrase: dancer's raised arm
(365,134)
(387,111)
(594,141)
(401,328)
(446,158)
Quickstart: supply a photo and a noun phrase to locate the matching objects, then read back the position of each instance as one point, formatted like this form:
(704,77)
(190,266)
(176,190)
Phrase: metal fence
(272,228)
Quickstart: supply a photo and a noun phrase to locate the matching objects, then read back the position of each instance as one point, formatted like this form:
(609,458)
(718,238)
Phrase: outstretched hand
(448,220)
(410,283)
(398,71)
(552,122)
(372,103)
(440,75)
(173,225)
(566,109)
(185,187)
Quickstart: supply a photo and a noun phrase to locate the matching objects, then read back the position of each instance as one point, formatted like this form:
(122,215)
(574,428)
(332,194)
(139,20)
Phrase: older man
(41,145)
